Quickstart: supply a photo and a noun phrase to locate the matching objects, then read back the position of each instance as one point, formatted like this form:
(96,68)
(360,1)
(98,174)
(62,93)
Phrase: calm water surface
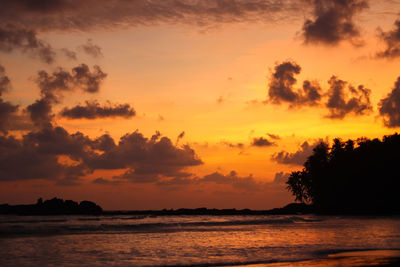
(187,240)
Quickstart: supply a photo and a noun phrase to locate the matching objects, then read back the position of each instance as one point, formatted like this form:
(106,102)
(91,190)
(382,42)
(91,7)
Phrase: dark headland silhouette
(352,177)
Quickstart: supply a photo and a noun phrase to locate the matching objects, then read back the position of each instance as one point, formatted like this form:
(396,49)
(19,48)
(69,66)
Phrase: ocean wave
(63,226)
(35,221)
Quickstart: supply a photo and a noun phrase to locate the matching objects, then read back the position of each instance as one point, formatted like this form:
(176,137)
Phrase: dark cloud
(389,107)
(311,93)
(6,108)
(40,112)
(104,143)
(282,82)
(242,183)
(53,85)
(36,155)
(94,14)
(343,98)
(178,181)
(392,41)
(5,83)
(341,102)
(18,121)
(25,40)
(69,181)
(233,145)
(281,87)
(86,80)
(93,110)
(92,49)
(103,181)
(262,142)
(146,159)
(333,21)
(296,158)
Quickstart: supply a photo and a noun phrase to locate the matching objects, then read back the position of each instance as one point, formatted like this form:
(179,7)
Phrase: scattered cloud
(342,98)
(281,87)
(61,80)
(333,22)
(233,145)
(341,103)
(92,49)
(53,85)
(92,110)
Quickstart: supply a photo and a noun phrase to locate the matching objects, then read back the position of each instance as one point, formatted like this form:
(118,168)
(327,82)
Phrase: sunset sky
(151,104)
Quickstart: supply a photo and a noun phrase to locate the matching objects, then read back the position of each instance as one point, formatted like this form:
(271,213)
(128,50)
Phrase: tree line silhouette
(351,177)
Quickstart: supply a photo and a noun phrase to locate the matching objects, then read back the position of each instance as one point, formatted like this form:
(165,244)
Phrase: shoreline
(346,258)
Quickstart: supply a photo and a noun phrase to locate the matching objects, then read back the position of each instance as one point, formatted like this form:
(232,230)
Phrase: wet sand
(351,258)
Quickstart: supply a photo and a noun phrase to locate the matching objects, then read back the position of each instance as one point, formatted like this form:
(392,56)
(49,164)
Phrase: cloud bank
(39,153)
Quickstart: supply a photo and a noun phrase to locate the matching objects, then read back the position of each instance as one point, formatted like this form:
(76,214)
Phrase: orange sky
(207,73)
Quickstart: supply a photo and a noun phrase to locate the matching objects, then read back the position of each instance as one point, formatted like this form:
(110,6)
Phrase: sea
(148,240)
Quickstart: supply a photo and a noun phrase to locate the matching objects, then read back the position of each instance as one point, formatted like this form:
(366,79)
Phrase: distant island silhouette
(352,177)
(55,206)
